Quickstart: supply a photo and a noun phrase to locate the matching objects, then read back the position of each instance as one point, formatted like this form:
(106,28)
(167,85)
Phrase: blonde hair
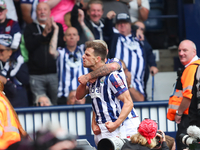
(102,42)
(139,139)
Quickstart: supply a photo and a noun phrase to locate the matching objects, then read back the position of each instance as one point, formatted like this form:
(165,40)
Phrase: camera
(158,141)
(112,143)
(187,140)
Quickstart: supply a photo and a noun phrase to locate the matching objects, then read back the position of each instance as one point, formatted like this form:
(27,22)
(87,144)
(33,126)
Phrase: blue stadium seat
(154,24)
(156,4)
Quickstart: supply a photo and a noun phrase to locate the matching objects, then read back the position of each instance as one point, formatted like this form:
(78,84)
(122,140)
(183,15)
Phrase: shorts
(119,132)
(131,126)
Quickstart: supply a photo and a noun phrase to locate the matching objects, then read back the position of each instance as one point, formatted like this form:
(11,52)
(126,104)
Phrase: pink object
(59,11)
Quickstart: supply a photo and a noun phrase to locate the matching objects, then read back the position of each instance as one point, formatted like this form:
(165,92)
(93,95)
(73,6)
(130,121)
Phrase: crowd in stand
(40,69)
(43,56)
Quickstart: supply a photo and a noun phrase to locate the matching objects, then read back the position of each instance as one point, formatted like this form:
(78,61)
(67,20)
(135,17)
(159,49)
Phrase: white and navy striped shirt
(129,50)
(69,68)
(104,93)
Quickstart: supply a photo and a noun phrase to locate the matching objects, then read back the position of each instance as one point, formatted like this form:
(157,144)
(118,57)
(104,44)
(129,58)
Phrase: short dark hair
(99,49)
(94,2)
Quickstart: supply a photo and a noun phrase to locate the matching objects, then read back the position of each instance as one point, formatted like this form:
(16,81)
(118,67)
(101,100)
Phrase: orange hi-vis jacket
(9,132)
(186,82)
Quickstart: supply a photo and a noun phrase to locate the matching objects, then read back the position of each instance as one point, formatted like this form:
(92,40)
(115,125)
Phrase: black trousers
(182,128)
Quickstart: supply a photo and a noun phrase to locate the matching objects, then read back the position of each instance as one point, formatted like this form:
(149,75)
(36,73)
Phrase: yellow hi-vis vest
(9,132)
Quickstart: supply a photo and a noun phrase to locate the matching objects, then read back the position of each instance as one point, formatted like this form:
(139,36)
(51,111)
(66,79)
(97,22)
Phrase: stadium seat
(154,24)
(156,4)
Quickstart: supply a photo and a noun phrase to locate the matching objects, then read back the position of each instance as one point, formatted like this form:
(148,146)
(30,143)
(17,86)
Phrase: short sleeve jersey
(104,93)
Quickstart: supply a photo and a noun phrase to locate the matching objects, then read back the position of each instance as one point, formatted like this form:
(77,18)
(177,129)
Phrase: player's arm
(95,127)
(126,109)
(102,71)
(81,91)
(54,39)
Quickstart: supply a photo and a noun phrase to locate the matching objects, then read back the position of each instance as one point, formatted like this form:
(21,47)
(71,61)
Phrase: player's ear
(98,59)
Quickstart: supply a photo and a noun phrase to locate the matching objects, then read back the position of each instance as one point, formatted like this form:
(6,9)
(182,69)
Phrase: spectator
(170,142)
(43,100)
(69,62)
(10,127)
(59,8)
(67,18)
(125,46)
(145,138)
(139,10)
(100,29)
(9,27)
(117,7)
(11,14)
(128,80)
(184,92)
(107,93)
(42,66)
(150,66)
(14,73)
(71,99)
(28,10)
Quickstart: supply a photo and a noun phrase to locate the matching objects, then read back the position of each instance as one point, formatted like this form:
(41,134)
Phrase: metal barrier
(76,119)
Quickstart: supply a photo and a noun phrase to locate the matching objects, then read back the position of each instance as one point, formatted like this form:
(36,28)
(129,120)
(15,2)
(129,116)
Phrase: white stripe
(16,40)
(77,66)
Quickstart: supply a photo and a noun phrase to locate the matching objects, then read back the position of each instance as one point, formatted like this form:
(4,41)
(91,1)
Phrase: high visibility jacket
(9,132)
(183,89)
(175,99)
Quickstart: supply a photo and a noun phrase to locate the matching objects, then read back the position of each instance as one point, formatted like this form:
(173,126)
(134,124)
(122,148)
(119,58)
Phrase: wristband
(130,86)
(178,113)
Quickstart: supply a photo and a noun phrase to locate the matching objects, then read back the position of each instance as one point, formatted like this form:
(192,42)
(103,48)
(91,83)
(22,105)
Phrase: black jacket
(40,61)
(131,146)
(16,73)
(107,29)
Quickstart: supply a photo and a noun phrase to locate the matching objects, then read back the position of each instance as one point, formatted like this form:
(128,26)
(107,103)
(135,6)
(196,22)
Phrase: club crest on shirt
(102,80)
(7,29)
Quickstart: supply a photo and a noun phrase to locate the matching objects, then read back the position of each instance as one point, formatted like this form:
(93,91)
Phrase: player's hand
(111,126)
(83,79)
(92,80)
(96,129)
